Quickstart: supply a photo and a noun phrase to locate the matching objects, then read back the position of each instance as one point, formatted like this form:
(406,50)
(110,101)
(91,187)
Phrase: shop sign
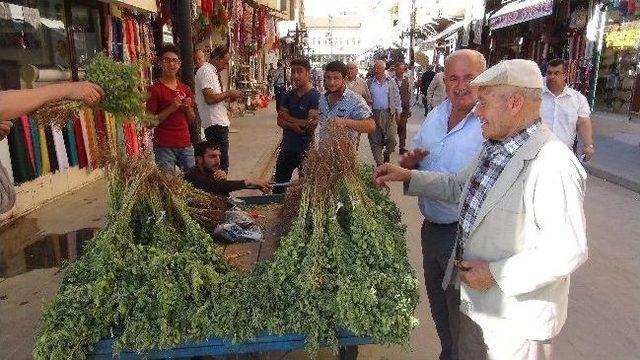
(624,36)
(519,12)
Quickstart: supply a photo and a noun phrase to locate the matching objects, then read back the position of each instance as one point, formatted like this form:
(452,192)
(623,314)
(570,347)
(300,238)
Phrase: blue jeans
(168,158)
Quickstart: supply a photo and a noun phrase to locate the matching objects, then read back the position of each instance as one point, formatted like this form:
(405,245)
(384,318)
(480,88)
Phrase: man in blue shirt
(298,117)
(449,138)
(342,106)
(386,107)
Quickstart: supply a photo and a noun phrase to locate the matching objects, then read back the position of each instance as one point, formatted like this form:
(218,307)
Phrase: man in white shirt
(211,101)
(452,137)
(566,111)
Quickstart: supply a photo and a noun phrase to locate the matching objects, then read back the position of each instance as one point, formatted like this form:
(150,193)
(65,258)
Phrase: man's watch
(588,146)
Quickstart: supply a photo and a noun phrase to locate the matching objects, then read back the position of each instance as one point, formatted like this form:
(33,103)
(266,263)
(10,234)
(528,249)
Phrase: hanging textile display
(44,150)
(20,164)
(78,130)
(26,127)
(53,158)
(60,148)
(70,144)
(35,139)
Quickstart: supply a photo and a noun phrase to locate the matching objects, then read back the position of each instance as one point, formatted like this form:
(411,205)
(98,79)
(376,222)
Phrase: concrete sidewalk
(617,157)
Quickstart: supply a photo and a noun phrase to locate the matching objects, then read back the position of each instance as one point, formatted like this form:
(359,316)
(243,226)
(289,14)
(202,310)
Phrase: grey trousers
(383,139)
(477,344)
(437,244)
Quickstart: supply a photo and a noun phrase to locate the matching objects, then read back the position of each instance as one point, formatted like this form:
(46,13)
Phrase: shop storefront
(541,30)
(249,29)
(44,42)
(619,74)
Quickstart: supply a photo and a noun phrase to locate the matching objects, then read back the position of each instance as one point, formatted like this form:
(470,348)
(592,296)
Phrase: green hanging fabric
(35,139)
(70,144)
(22,170)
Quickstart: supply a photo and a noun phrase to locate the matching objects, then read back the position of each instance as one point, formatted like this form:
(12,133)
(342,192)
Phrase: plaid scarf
(494,158)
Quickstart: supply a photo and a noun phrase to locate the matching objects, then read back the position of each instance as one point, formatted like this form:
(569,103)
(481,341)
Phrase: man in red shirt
(172,102)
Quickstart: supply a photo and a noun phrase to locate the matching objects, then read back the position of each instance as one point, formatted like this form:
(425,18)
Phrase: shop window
(33,33)
(86,32)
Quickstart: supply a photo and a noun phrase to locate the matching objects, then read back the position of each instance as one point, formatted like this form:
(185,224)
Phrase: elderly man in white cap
(521,227)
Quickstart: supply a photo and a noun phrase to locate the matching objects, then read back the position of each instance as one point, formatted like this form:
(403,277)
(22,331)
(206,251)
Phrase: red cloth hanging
(26,127)
(82,153)
(130,138)
(101,131)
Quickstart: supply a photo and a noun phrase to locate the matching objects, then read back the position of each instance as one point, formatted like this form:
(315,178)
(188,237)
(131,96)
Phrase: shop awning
(146,5)
(520,11)
(446,32)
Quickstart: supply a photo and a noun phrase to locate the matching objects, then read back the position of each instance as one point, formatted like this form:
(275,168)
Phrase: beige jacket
(436,92)
(531,230)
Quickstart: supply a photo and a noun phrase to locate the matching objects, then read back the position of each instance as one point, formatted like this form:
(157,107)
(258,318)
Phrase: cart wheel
(348,352)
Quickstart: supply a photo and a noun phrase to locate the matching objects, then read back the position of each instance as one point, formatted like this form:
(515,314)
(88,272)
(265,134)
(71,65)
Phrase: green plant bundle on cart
(154,279)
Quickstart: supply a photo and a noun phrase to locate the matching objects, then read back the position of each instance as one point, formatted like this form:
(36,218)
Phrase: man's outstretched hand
(388,172)
(411,159)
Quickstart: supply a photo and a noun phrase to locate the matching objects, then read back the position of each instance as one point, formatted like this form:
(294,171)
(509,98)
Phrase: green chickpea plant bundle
(125,94)
(153,278)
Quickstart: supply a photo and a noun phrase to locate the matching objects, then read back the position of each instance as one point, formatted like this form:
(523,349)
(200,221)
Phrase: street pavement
(604,301)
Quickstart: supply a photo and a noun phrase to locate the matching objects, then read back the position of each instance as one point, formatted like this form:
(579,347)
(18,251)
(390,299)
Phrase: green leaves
(152,278)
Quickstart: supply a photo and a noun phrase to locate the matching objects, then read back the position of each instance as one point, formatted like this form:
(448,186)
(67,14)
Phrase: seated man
(207,176)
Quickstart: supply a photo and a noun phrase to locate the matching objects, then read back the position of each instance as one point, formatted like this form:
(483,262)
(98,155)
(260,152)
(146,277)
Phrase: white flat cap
(516,72)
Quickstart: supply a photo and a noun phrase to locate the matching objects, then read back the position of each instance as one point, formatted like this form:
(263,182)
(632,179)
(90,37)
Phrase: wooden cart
(243,255)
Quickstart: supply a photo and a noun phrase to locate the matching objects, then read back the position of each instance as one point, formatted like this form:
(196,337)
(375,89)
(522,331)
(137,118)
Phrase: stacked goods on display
(152,278)
(619,66)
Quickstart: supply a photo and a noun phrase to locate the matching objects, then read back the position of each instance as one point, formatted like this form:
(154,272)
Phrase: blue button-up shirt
(449,152)
(350,106)
(380,95)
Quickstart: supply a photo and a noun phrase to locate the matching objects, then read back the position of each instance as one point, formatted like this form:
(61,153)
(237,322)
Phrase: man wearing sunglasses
(171,101)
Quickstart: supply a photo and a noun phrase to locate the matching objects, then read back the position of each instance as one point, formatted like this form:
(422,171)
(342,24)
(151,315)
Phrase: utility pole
(331,33)
(411,31)
(182,29)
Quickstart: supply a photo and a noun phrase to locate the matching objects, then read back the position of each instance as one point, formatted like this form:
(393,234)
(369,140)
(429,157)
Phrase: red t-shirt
(174,130)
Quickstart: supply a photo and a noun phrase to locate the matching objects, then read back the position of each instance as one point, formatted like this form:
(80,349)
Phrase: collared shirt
(560,113)
(494,158)
(216,114)
(449,152)
(380,95)
(359,86)
(350,106)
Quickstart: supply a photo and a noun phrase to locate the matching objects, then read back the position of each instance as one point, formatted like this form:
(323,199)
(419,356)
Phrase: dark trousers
(402,129)
(279,92)
(286,163)
(220,135)
(437,244)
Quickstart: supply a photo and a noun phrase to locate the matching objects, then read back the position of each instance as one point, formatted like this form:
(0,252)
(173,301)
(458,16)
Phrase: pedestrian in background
(566,111)
(211,99)
(403,81)
(298,118)
(436,92)
(425,81)
(171,101)
(386,106)
(279,83)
